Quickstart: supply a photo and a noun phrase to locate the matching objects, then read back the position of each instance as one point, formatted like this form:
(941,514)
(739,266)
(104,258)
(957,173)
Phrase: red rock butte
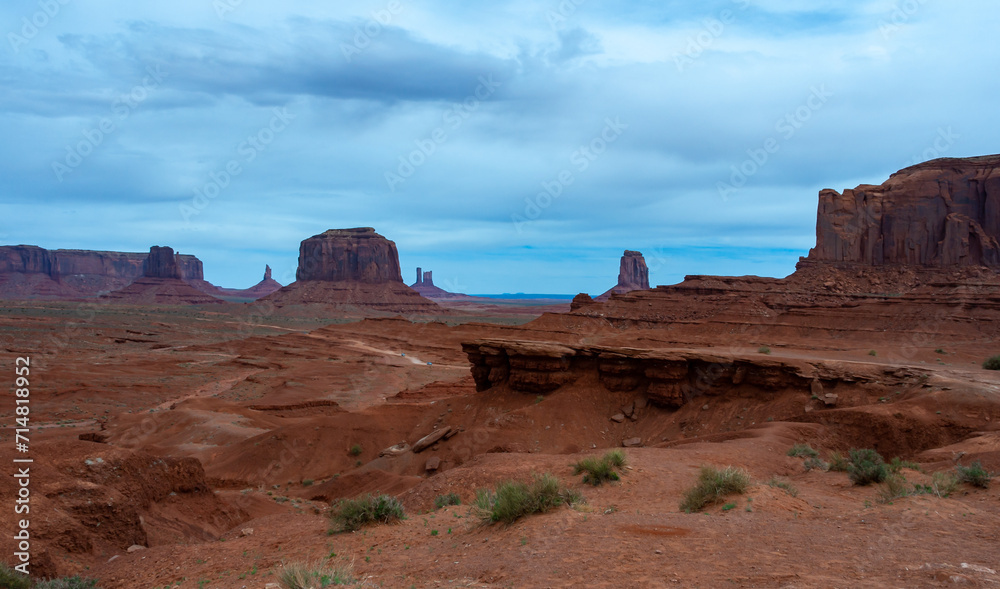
(356,268)
(632,275)
(162,283)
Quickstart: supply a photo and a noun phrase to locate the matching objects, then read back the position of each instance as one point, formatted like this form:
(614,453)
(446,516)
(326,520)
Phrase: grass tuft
(9,578)
(800,450)
(511,500)
(446,500)
(764,350)
(893,487)
(838,463)
(355,450)
(303,576)
(598,470)
(784,486)
(351,514)
(713,485)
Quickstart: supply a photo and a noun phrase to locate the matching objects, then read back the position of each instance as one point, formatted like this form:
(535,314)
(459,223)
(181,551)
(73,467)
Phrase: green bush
(838,463)
(355,450)
(943,483)
(67,583)
(799,450)
(815,463)
(872,353)
(974,474)
(514,499)
(351,514)
(992,363)
(11,579)
(598,470)
(302,576)
(446,500)
(713,485)
(866,467)
(764,350)
(897,464)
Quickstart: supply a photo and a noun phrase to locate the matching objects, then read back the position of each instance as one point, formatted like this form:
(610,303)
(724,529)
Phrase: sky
(508,146)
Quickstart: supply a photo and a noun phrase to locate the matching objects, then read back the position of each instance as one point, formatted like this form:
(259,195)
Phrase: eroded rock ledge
(669,378)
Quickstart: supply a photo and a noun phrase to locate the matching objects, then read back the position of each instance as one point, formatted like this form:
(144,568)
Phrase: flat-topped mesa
(355,268)
(632,275)
(944,213)
(354,255)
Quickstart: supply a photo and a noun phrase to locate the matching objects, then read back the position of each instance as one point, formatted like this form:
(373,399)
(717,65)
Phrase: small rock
(114,557)
(618,418)
(430,439)
(816,387)
(830,399)
(135,548)
(704,407)
(397,450)
(246,532)
(433,463)
(629,411)
(640,404)
(631,442)
(659,551)
(451,434)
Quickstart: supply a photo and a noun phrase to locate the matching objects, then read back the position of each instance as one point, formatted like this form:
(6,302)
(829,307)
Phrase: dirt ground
(216,439)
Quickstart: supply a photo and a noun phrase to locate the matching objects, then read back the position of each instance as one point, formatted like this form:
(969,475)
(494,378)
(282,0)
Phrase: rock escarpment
(632,275)
(28,271)
(425,286)
(942,214)
(353,268)
(668,378)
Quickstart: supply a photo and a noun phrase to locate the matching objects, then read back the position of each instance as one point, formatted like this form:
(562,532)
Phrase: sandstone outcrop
(668,378)
(425,286)
(942,213)
(28,271)
(632,275)
(162,283)
(352,268)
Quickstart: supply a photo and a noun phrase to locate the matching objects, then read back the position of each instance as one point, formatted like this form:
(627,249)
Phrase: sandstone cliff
(162,283)
(942,213)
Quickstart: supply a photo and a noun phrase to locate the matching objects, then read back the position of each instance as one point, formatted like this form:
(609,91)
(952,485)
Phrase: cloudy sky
(509,146)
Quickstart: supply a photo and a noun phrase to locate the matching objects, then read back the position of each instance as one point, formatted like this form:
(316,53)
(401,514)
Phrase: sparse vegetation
(897,464)
(446,500)
(355,450)
(815,463)
(764,350)
(893,487)
(992,363)
(866,466)
(838,463)
(302,576)
(67,583)
(784,486)
(351,514)
(799,450)
(598,470)
(714,484)
(974,474)
(872,353)
(514,499)
(940,351)
(9,578)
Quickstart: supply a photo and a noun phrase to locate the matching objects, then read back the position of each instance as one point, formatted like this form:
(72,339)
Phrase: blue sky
(513,146)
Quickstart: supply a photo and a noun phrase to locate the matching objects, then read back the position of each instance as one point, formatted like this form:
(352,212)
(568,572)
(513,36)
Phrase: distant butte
(632,275)
(162,283)
(351,267)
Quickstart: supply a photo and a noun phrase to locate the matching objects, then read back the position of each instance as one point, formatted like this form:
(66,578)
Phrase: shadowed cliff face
(942,213)
(355,255)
